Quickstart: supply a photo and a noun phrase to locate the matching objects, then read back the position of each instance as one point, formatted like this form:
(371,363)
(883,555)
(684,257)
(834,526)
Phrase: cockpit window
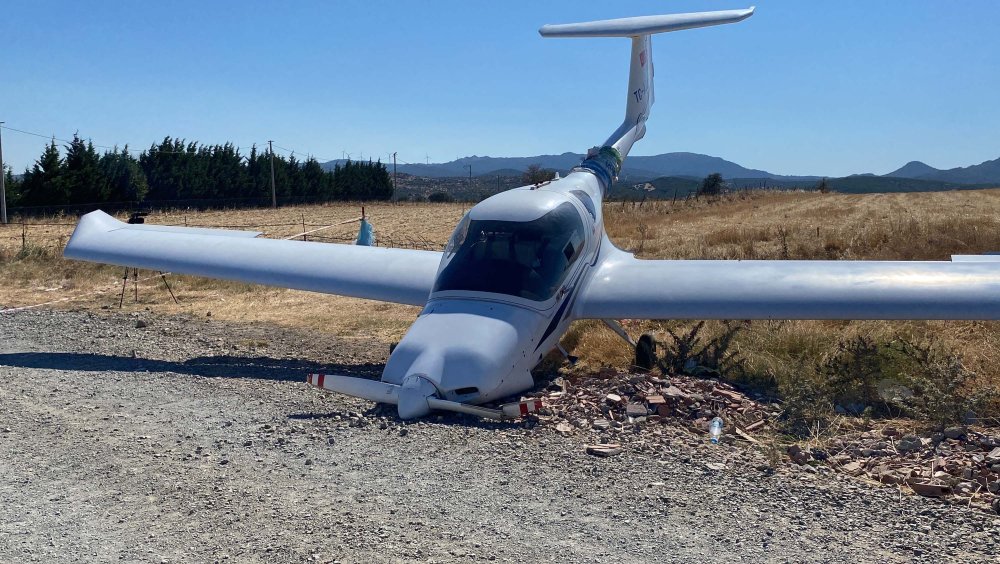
(586,201)
(528,259)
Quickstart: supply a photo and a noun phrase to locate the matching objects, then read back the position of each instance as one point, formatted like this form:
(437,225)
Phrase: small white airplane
(524,264)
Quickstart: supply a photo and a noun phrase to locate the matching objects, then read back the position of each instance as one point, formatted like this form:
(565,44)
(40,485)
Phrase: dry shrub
(33,252)
(689,353)
(941,388)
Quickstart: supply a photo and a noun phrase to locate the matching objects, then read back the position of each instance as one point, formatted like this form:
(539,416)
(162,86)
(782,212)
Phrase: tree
(536,174)
(176,169)
(43,184)
(81,174)
(315,182)
(12,186)
(711,186)
(440,197)
(823,187)
(124,177)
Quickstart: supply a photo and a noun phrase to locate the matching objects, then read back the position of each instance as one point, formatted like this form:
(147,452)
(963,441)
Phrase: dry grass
(45,276)
(758,225)
(781,355)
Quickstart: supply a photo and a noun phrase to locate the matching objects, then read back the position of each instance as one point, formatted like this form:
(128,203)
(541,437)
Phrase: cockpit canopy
(526,259)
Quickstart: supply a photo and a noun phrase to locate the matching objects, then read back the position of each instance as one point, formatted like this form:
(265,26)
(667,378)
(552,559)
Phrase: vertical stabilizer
(640,82)
(640,96)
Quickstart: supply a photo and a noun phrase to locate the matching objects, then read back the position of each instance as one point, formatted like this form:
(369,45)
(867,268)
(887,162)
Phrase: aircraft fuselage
(503,295)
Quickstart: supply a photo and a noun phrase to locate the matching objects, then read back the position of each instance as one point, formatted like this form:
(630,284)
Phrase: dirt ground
(194,440)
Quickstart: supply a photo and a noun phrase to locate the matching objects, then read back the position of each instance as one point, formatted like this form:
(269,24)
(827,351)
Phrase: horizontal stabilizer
(639,99)
(645,25)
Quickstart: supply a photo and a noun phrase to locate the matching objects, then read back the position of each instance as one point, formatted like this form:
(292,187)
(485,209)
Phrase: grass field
(790,358)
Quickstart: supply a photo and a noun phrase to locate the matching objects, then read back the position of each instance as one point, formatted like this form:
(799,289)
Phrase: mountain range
(982,173)
(690,165)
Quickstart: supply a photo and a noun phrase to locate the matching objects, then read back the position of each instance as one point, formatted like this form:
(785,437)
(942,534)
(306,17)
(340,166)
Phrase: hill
(914,176)
(637,168)
(987,172)
(913,169)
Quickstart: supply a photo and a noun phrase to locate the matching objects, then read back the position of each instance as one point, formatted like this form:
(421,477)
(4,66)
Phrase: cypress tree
(44,184)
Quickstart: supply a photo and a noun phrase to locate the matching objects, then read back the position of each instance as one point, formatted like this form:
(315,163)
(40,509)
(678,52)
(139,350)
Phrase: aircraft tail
(640,82)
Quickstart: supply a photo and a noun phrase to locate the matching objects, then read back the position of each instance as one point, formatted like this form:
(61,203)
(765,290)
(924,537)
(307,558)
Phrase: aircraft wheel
(645,352)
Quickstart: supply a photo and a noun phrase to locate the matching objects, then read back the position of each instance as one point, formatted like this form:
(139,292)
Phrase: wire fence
(24,235)
(194,204)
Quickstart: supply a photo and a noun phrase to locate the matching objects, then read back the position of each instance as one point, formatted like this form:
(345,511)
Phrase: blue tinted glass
(587,202)
(528,259)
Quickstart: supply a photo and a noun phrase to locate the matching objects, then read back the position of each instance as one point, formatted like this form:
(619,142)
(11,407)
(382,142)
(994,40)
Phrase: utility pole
(3,189)
(274,197)
(394,188)
(470,175)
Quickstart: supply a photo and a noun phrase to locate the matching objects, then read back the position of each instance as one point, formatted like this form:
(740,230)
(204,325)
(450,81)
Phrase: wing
(392,275)
(624,287)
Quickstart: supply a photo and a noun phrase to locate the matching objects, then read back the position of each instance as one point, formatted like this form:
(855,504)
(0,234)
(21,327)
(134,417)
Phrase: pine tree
(81,174)
(125,178)
(44,184)
(12,187)
(314,181)
(292,191)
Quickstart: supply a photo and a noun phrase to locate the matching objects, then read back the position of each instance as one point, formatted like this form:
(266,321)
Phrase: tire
(645,352)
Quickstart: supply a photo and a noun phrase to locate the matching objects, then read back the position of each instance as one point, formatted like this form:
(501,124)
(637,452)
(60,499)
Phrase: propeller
(416,397)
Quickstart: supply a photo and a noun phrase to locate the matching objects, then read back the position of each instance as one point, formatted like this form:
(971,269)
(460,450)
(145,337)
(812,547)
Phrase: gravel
(181,439)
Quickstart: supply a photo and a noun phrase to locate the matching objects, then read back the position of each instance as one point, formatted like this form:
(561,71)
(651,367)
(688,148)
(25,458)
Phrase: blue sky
(829,88)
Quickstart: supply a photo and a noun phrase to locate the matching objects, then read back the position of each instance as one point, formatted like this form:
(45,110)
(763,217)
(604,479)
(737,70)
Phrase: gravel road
(189,440)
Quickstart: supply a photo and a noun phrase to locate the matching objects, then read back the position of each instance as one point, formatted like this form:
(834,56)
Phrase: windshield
(528,259)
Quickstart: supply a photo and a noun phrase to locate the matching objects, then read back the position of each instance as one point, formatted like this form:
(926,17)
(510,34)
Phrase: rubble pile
(958,464)
(613,402)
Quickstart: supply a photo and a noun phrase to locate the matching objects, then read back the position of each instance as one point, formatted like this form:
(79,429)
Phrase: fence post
(24,236)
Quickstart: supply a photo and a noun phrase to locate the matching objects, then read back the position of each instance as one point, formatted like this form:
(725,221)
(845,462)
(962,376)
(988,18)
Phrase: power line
(310,155)
(115,147)
(151,150)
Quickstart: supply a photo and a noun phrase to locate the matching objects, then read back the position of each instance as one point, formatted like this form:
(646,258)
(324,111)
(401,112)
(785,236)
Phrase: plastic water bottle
(715,430)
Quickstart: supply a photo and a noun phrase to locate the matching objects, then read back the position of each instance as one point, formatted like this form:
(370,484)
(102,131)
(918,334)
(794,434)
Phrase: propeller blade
(521,408)
(418,399)
(484,412)
(372,390)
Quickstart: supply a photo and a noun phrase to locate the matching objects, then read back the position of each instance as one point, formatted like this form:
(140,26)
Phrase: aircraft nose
(466,357)
(413,396)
